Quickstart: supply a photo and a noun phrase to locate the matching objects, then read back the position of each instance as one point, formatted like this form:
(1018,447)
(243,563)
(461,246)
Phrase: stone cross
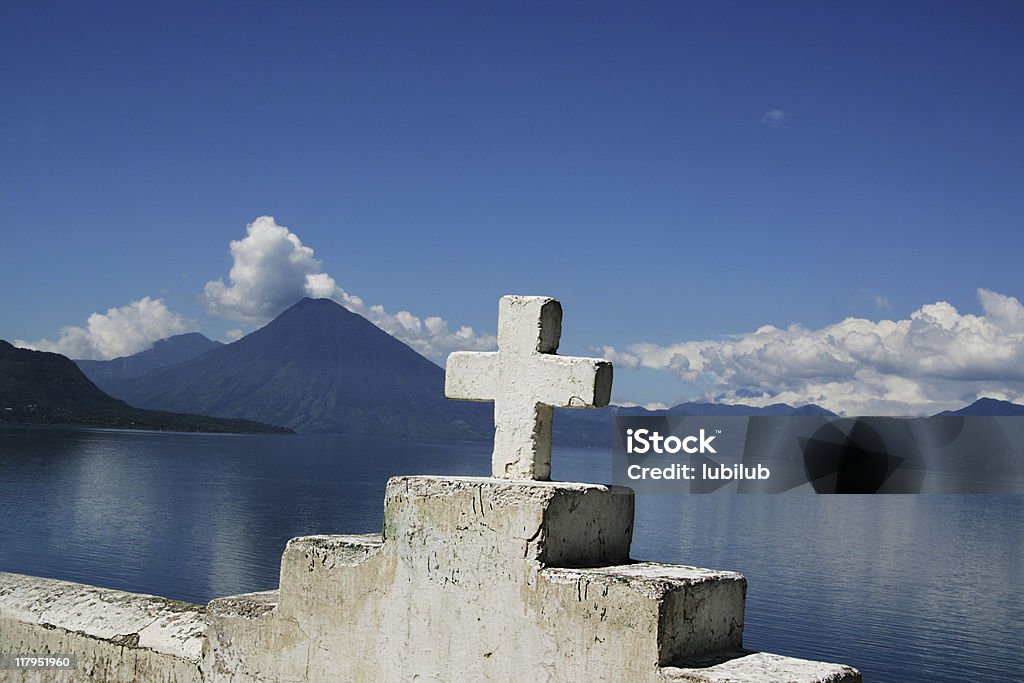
(526,381)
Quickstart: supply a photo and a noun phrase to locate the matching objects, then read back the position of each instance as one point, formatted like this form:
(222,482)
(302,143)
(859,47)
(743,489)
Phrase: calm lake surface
(906,588)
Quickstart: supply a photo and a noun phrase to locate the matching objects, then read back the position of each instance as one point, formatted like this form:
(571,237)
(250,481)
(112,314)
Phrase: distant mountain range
(46,388)
(165,352)
(988,407)
(318,367)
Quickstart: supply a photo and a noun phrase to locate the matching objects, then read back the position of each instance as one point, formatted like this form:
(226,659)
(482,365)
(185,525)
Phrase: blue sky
(680,175)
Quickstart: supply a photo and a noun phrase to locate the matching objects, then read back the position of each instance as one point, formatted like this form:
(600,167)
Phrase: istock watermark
(947,454)
(641,441)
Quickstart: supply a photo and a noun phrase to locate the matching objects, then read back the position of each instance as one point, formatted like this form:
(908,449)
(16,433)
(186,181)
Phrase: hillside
(46,388)
(988,407)
(317,367)
(166,352)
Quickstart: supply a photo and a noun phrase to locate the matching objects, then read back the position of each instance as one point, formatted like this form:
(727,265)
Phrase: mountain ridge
(38,387)
(163,353)
(987,407)
(317,367)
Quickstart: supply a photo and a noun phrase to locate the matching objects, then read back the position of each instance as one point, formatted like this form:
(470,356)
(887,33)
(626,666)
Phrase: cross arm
(471,375)
(572,382)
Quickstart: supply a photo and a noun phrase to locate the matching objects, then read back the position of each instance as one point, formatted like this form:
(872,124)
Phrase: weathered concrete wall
(452,590)
(114,636)
(481,579)
(472,579)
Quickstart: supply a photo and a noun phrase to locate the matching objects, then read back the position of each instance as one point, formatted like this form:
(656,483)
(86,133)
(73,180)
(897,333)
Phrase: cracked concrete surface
(116,636)
(473,579)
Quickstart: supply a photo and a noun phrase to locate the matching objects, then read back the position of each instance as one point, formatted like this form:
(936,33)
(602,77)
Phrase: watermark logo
(641,441)
(812,454)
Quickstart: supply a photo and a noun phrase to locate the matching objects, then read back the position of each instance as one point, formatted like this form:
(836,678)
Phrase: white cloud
(118,332)
(647,406)
(936,360)
(272,270)
(882,303)
(234,334)
(775,118)
(621,359)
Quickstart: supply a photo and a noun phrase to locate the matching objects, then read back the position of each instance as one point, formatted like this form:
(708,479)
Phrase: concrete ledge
(114,635)
(335,550)
(244,606)
(694,610)
(241,631)
(743,665)
(652,578)
(555,523)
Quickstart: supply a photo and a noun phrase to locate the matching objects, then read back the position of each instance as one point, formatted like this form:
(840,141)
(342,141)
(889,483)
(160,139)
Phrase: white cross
(526,381)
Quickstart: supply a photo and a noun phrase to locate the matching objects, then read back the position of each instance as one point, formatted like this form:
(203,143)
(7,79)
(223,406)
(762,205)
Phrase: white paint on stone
(483,579)
(526,380)
(732,667)
(114,635)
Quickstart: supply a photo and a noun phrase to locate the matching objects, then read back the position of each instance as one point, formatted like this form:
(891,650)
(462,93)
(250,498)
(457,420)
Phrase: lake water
(906,588)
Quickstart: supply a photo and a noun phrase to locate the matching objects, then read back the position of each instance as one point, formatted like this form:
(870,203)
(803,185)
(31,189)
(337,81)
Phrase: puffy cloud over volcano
(937,359)
(272,269)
